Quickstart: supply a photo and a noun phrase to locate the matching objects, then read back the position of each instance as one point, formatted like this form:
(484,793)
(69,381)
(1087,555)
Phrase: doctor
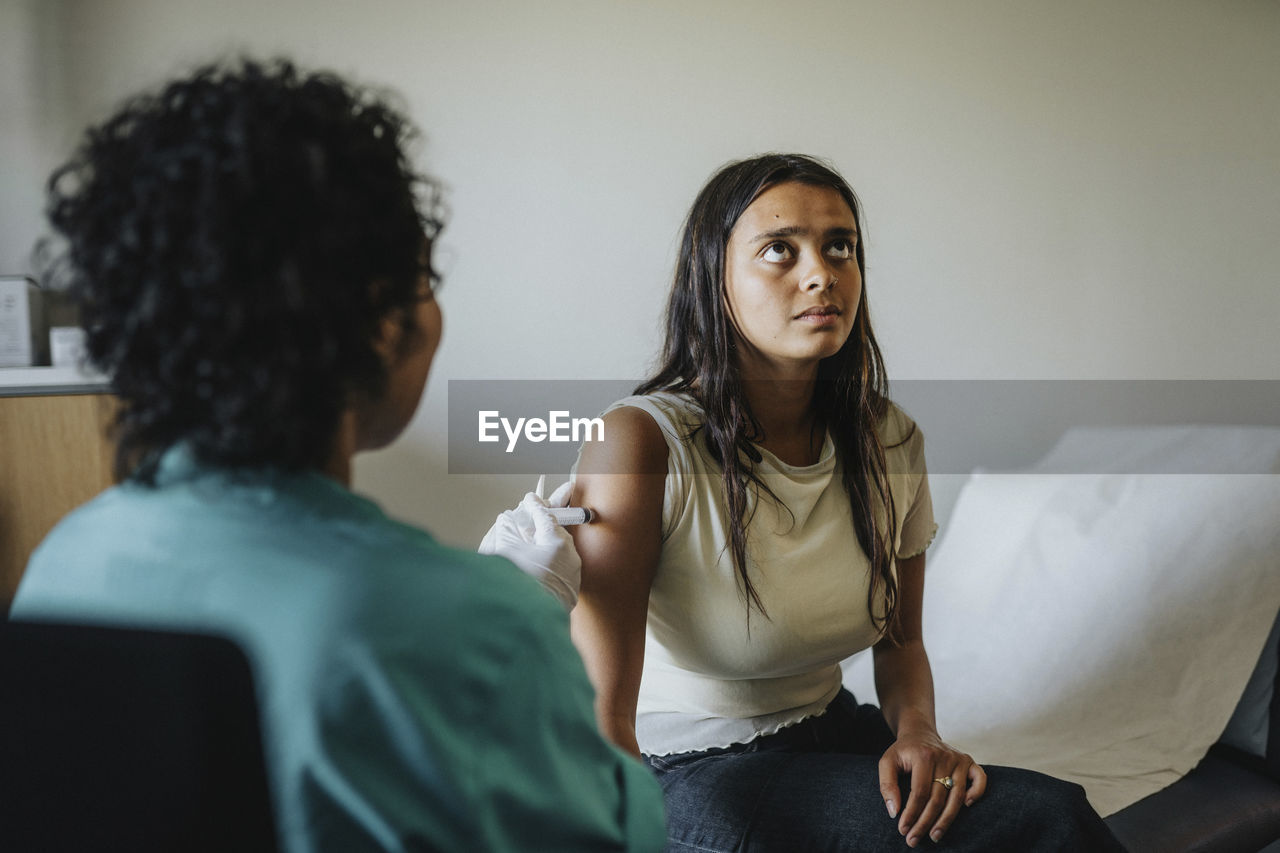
(250,249)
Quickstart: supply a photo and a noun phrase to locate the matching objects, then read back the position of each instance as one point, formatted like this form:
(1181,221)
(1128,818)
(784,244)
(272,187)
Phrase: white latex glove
(529,537)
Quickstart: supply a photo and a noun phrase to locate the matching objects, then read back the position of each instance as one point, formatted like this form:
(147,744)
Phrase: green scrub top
(414,696)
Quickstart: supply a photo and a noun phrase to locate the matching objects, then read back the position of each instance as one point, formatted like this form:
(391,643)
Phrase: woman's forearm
(904,683)
(620,730)
(904,680)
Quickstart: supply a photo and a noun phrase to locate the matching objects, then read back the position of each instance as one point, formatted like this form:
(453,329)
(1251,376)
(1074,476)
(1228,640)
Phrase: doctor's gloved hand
(529,537)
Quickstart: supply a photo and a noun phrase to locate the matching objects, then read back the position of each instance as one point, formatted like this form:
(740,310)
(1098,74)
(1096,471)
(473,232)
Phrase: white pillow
(1190,450)
(1101,627)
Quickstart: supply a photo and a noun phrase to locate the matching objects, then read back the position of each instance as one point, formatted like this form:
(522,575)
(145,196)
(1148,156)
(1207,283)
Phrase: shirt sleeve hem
(907,554)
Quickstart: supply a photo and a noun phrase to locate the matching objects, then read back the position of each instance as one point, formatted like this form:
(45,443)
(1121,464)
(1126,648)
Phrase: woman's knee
(1044,810)
(1021,789)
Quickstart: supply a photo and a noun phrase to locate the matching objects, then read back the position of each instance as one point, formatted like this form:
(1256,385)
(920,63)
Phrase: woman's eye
(841,249)
(775,252)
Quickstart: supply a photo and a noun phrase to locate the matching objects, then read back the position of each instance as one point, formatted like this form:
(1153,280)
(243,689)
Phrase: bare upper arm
(622,479)
(908,626)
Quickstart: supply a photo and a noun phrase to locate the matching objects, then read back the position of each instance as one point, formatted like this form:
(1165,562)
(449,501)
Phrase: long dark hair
(234,241)
(699,359)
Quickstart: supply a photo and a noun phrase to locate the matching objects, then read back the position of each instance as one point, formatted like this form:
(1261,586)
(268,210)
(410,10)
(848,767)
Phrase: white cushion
(1101,627)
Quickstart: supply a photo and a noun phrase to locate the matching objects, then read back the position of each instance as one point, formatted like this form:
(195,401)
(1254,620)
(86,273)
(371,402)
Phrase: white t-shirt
(711,676)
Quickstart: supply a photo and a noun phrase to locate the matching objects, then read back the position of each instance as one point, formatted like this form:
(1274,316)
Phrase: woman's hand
(931,805)
(904,683)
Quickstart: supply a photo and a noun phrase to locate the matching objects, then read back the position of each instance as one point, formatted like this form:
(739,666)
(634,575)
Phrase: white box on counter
(66,346)
(20,321)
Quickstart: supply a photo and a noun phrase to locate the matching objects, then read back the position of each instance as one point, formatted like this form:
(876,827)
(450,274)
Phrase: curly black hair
(234,242)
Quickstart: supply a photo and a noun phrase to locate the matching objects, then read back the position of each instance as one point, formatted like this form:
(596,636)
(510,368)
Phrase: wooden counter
(54,455)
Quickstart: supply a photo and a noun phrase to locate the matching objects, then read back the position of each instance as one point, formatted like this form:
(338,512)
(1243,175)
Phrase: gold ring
(945,782)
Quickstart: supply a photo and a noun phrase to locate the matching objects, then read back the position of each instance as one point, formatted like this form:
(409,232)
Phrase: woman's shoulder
(666,408)
(657,417)
(634,441)
(897,428)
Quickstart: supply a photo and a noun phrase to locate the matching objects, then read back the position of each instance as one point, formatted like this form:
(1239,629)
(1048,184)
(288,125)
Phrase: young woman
(763,514)
(251,250)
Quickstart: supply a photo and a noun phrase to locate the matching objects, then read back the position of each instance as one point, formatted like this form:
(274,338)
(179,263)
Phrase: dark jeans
(815,786)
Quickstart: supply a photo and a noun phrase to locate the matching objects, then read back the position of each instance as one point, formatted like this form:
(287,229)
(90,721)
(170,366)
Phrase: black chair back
(1273,728)
(123,739)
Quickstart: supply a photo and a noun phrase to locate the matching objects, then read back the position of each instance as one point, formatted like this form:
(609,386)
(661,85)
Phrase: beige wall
(33,114)
(1054,190)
